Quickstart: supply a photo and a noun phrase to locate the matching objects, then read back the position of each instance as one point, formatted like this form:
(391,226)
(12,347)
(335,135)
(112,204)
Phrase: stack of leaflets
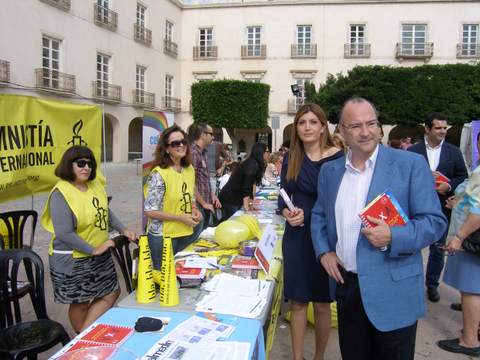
(102,339)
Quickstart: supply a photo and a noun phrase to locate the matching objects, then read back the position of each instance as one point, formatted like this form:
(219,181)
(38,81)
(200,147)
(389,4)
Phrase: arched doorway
(135,138)
(107,150)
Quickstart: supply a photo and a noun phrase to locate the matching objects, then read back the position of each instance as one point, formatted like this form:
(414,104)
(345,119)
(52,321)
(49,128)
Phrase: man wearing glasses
(201,136)
(377,272)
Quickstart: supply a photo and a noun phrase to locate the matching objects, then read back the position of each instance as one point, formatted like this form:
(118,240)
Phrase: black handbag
(471,243)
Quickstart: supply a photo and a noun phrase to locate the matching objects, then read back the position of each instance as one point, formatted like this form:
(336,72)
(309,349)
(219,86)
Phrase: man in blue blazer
(446,159)
(378,271)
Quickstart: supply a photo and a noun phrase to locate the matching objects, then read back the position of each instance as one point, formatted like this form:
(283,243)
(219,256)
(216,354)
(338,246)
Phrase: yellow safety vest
(178,198)
(90,209)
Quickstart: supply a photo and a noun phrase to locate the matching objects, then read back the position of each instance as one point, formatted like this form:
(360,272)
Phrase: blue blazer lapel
(335,178)
(381,174)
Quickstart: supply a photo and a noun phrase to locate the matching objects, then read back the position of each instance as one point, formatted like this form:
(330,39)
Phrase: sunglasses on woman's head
(177,143)
(82,163)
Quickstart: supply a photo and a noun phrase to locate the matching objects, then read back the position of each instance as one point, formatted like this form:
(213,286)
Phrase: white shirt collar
(427,145)
(370,163)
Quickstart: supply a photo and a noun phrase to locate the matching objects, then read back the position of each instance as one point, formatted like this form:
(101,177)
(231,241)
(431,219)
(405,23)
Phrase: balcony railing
(107,92)
(414,51)
(105,17)
(294,104)
(468,51)
(142,35)
(254,51)
(54,80)
(59,4)
(304,51)
(4,71)
(205,52)
(143,98)
(170,48)
(171,104)
(356,50)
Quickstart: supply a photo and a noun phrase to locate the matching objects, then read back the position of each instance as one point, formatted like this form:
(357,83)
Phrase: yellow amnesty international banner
(34,134)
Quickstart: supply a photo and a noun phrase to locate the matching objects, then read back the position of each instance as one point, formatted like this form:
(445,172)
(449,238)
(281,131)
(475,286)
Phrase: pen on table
(258,303)
(214,266)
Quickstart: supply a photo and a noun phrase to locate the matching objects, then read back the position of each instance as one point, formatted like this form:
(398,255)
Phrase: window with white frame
(103,74)
(140,83)
(414,39)
(304,40)
(168,30)
(357,39)
(50,61)
(301,96)
(103,5)
(254,34)
(205,41)
(469,40)
(168,86)
(141,18)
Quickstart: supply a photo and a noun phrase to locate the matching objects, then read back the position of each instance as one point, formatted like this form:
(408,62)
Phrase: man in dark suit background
(447,159)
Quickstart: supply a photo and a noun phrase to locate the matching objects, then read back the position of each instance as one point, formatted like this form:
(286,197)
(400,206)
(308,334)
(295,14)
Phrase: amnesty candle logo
(34,134)
(101,215)
(77,138)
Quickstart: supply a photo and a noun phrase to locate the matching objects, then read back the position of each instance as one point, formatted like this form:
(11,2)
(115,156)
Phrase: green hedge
(230,103)
(405,95)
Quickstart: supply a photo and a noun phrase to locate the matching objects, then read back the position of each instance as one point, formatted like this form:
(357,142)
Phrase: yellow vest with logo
(90,209)
(178,198)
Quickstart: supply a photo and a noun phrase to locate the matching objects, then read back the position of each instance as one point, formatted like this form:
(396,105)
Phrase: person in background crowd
(77,214)
(229,169)
(462,271)
(339,142)
(395,144)
(240,188)
(285,146)
(305,279)
(444,159)
(274,167)
(207,201)
(169,195)
(406,142)
(378,271)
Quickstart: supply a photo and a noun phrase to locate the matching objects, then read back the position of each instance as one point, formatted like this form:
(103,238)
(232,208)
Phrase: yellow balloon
(230,233)
(252,223)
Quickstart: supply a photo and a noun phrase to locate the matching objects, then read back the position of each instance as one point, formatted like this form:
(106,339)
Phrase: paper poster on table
(266,245)
(34,134)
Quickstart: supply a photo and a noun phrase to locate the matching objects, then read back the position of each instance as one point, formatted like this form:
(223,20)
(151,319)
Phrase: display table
(246,330)
(189,297)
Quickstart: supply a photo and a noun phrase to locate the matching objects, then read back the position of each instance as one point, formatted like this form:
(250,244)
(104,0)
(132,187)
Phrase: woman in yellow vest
(76,213)
(169,203)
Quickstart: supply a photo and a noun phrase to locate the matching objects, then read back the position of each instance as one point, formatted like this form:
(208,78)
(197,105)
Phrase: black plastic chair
(121,253)
(15,223)
(25,339)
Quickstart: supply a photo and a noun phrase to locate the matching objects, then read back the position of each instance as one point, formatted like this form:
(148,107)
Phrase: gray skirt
(84,279)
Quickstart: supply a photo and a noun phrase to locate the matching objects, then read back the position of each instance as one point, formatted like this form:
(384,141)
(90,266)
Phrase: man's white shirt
(351,199)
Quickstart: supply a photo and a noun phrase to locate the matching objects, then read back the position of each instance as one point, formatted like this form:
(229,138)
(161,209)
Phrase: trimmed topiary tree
(405,95)
(230,103)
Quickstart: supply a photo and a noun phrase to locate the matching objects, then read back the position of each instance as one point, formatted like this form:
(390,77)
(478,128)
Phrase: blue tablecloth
(246,330)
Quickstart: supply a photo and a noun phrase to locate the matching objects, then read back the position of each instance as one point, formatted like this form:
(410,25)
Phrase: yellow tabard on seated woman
(177,199)
(90,209)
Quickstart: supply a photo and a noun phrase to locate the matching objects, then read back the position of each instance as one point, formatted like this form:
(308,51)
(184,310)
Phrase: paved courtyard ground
(124,184)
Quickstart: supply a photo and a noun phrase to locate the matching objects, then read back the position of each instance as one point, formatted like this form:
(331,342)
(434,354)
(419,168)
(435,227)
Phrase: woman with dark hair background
(77,214)
(169,195)
(240,188)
